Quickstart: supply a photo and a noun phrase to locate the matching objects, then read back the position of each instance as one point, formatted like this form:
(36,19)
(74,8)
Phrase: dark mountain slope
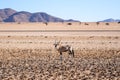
(5,13)
(19,17)
(10,15)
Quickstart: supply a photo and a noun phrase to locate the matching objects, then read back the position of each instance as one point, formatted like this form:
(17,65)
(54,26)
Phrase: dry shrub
(86,24)
(69,23)
(107,23)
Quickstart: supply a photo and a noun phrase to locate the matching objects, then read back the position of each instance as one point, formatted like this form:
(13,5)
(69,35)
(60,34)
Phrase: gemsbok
(64,48)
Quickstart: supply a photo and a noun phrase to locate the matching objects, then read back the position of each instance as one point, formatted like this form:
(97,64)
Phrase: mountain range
(10,15)
(110,20)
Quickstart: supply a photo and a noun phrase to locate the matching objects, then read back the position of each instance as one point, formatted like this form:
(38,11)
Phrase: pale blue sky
(83,10)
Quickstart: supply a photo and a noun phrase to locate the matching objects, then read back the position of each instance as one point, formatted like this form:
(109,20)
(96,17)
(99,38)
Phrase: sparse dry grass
(60,26)
(31,56)
(96,58)
(32,64)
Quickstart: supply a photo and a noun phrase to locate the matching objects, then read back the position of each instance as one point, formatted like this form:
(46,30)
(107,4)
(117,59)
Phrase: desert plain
(27,51)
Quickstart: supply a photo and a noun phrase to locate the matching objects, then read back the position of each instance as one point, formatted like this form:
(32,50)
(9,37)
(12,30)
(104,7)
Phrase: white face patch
(71,48)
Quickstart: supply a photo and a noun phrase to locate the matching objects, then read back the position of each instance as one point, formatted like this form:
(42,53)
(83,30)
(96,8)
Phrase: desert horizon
(60,26)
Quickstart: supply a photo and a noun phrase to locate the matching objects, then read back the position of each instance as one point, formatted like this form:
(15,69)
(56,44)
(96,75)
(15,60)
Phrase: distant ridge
(10,15)
(110,20)
(5,13)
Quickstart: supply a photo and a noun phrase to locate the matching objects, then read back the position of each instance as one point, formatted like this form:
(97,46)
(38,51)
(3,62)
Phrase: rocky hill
(5,13)
(19,17)
(110,20)
(10,15)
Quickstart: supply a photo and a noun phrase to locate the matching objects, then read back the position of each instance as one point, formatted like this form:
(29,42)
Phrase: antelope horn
(55,42)
(59,41)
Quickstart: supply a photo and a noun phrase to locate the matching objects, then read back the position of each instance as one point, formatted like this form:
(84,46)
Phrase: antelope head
(56,43)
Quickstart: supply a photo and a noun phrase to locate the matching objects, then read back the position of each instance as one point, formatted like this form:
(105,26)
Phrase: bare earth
(27,51)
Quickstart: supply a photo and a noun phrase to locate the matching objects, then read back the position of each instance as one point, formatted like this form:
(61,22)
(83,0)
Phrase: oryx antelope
(64,48)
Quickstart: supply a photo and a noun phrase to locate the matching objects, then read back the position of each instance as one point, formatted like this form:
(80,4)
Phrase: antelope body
(64,48)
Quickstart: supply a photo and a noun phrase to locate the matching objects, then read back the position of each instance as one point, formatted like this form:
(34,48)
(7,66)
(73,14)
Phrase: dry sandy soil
(60,26)
(27,51)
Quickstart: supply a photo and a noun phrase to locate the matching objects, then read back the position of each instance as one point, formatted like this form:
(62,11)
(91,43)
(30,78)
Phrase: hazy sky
(83,10)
